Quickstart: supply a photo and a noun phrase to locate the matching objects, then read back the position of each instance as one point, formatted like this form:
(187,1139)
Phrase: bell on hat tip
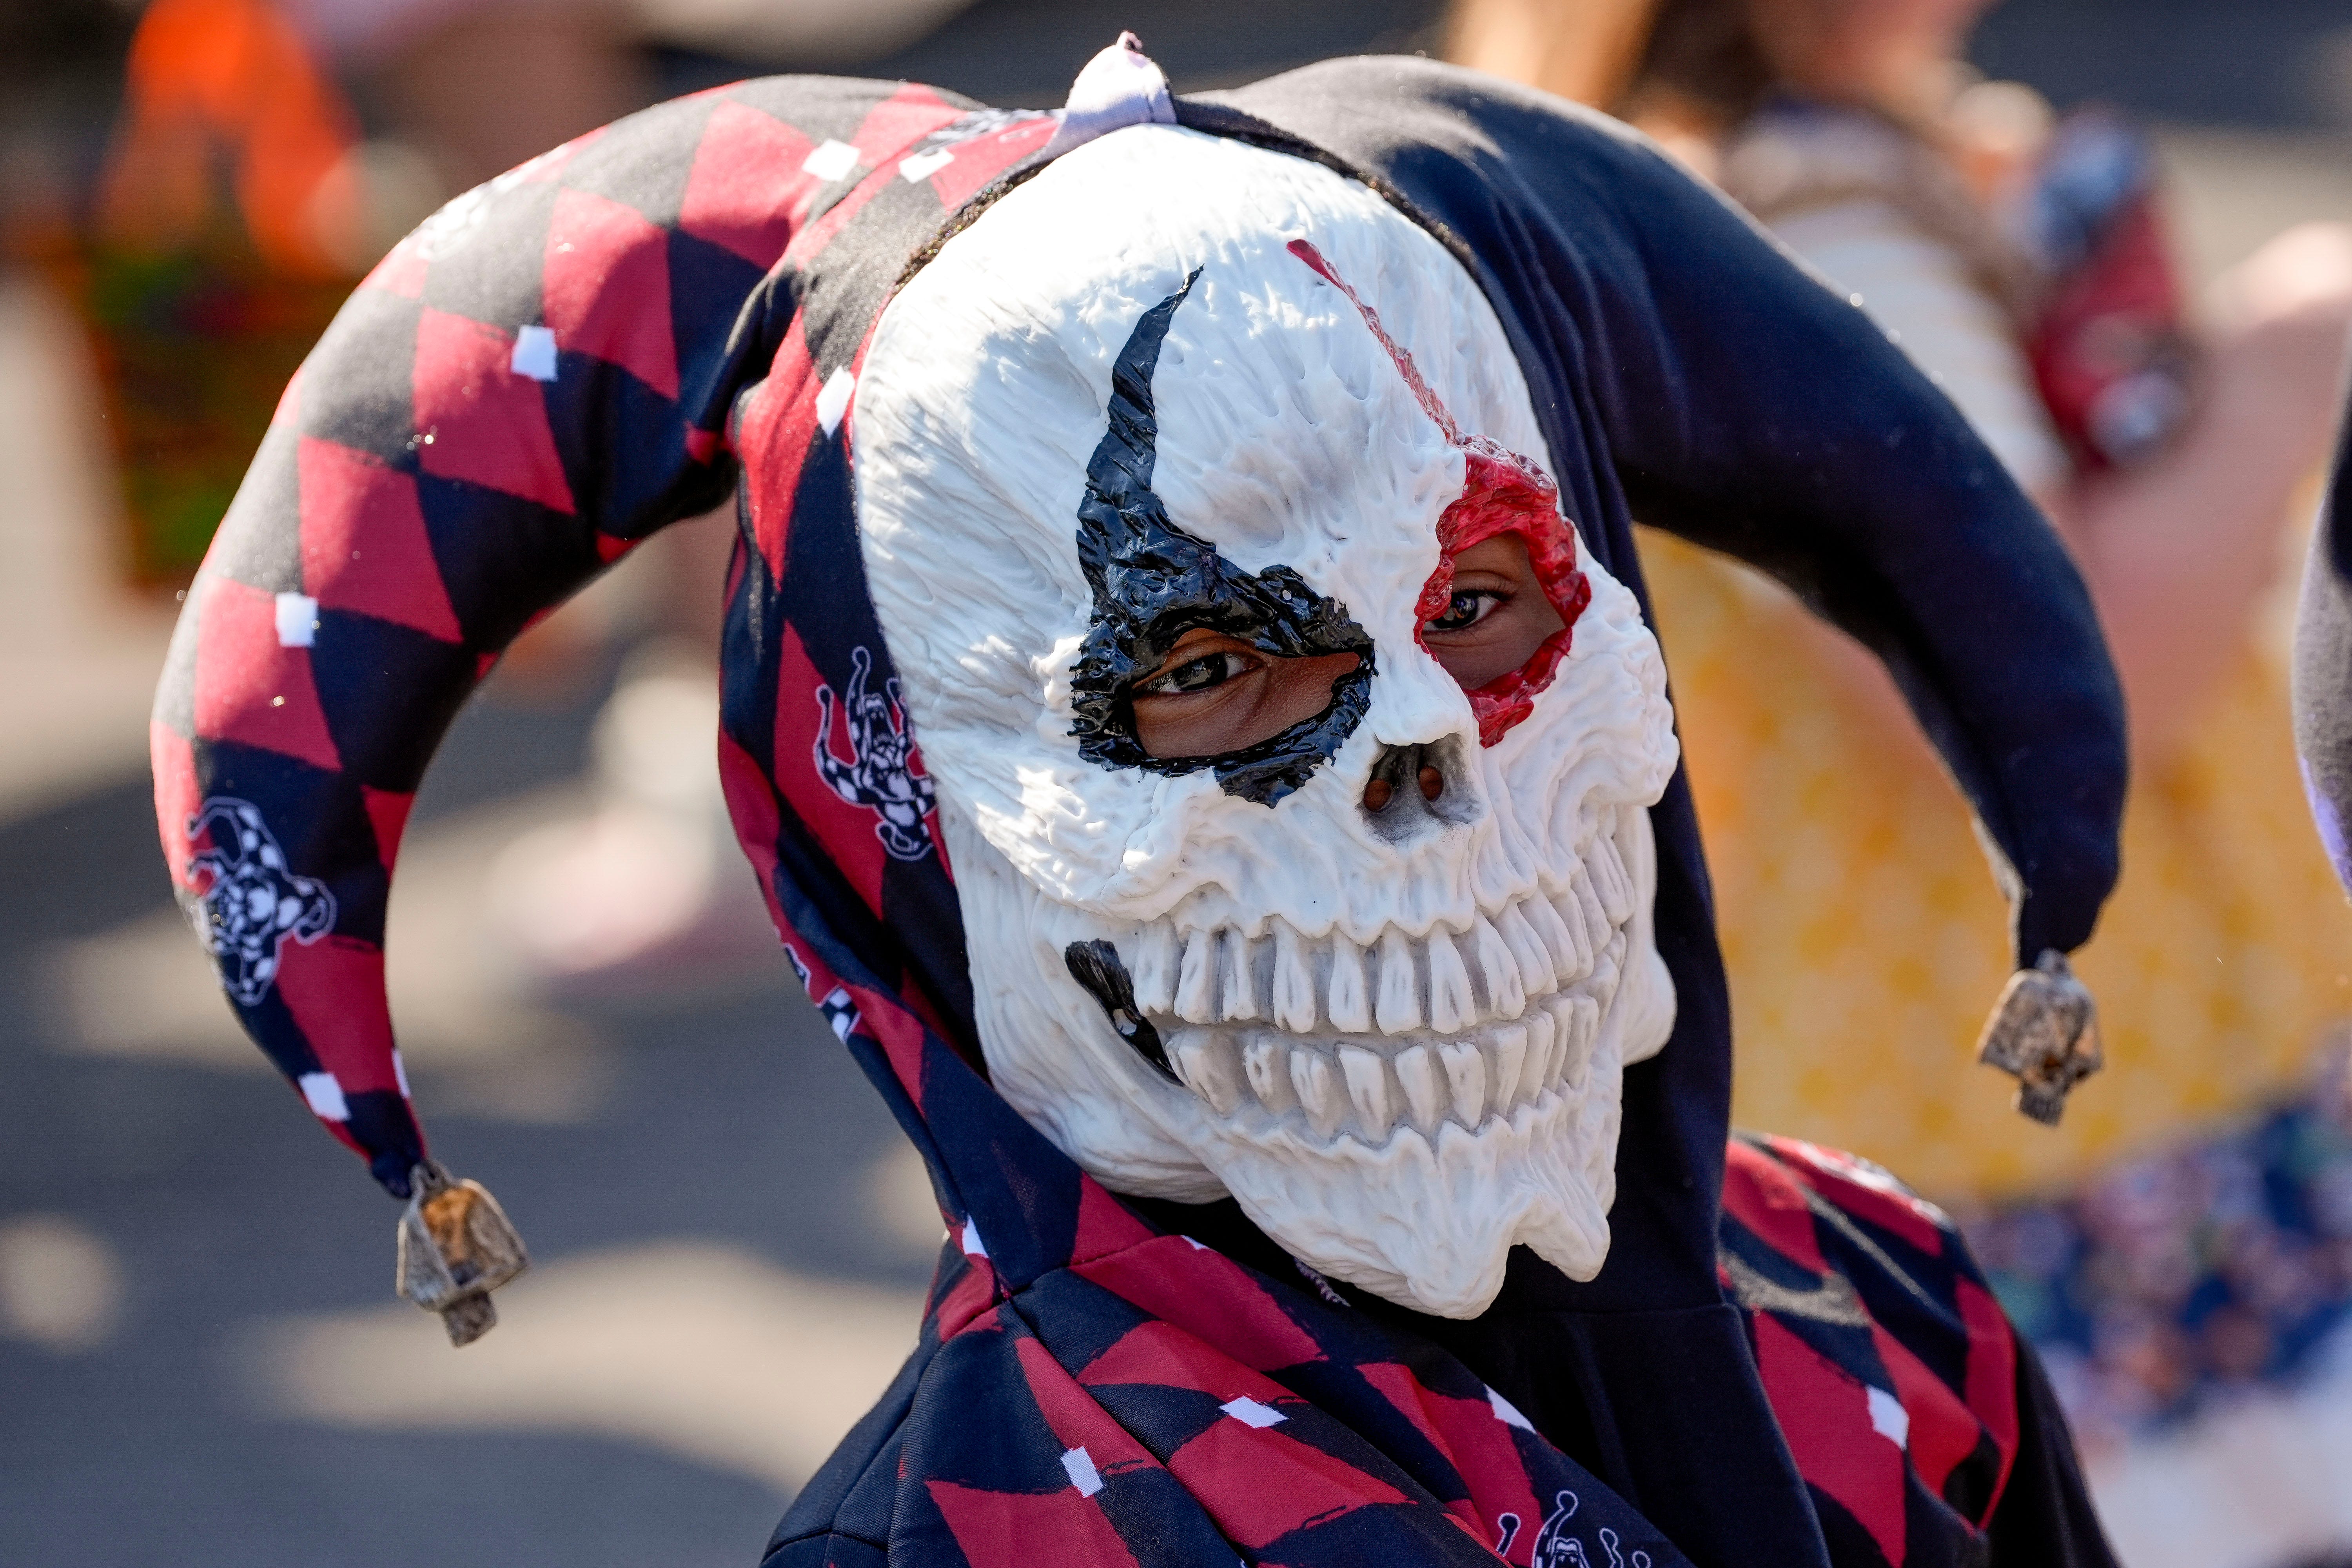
(2044,1032)
(454,1247)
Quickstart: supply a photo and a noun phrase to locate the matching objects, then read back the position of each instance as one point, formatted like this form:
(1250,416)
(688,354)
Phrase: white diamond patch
(833,399)
(923,165)
(1507,1413)
(831,160)
(1250,1413)
(297,620)
(1887,1414)
(1079,1465)
(325,1095)
(534,354)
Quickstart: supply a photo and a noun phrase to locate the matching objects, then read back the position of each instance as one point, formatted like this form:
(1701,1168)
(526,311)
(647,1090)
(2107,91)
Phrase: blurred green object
(221,240)
(195,348)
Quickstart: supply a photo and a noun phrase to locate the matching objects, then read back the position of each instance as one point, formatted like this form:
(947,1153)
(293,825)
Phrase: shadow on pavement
(200,1349)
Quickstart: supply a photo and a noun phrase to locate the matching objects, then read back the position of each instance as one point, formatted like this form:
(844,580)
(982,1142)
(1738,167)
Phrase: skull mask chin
(1395,1037)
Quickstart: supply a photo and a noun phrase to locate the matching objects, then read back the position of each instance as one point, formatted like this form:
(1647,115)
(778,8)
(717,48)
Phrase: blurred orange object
(212,76)
(201,293)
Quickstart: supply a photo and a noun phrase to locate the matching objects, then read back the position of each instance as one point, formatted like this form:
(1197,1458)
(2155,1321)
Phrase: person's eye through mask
(1192,662)
(1214,693)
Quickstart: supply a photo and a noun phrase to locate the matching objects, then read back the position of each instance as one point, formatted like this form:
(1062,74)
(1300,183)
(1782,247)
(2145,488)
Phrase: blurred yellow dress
(1864,939)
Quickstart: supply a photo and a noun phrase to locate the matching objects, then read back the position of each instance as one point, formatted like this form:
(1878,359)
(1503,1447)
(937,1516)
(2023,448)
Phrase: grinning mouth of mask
(1397,1032)
(1153,582)
(1396,1104)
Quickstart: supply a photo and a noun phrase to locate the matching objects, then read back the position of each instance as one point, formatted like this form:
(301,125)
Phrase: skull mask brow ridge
(1152,583)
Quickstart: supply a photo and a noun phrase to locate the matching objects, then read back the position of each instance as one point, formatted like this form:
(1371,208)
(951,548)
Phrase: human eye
(1467,607)
(1210,670)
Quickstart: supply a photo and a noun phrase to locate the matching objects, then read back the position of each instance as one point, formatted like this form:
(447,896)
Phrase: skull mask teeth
(1394,1034)
(1366,1041)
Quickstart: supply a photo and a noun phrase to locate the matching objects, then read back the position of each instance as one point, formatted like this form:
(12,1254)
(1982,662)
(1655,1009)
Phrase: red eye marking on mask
(1502,492)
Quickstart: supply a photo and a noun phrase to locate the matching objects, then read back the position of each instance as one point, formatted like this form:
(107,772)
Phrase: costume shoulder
(537,379)
(1687,369)
(1156,1403)
(1919,1420)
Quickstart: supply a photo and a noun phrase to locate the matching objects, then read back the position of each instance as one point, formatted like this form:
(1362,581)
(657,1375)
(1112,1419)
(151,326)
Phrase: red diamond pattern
(1019,1529)
(364,545)
(747,188)
(606,286)
(335,991)
(249,690)
(1824,1411)
(479,421)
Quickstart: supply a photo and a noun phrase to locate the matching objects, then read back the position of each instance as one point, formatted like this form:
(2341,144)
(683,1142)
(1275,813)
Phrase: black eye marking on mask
(1152,583)
(1096,966)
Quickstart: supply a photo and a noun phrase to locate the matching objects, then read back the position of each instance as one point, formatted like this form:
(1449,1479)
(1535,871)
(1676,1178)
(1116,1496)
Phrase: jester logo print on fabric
(880,774)
(1556,1548)
(245,901)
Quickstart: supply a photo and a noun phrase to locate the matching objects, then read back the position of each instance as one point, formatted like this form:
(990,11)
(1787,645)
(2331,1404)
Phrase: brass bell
(456,1246)
(2044,1032)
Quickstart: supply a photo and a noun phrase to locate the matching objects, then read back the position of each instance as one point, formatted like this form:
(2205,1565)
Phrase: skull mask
(1376,975)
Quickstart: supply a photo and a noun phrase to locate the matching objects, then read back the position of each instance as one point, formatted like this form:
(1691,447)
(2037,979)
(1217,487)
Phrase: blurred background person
(264,154)
(2185,1236)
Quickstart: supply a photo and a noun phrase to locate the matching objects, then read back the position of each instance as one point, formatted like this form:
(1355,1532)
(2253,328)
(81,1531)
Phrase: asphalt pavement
(202,1360)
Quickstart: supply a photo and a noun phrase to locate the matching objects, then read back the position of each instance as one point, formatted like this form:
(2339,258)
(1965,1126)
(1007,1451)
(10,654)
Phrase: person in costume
(1189,700)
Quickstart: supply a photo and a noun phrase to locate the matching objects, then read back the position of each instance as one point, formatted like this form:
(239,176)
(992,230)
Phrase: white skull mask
(1396,1036)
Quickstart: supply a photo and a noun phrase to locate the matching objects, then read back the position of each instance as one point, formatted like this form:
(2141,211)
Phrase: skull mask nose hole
(1415,789)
